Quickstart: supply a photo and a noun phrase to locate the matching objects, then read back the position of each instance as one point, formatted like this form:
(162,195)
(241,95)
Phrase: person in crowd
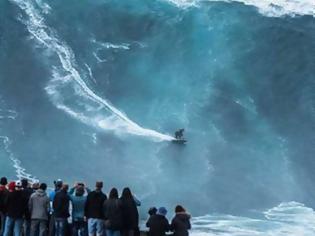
(130,213)
(27,192)
(152,211)
(3,196)
(158,224)
(35,186)
(93,210)
(15,209)
(113,214)
(181,222)
(58,185)
(78,200)
(61,204)
(39,210)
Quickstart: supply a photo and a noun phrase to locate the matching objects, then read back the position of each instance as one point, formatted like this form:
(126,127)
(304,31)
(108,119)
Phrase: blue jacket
(78,203)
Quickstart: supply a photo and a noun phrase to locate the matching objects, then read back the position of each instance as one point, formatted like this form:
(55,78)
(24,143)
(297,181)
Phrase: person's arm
(137,201)
(71,191)
(148,222)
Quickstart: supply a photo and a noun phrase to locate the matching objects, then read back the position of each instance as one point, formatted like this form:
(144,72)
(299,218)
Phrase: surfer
(179,133)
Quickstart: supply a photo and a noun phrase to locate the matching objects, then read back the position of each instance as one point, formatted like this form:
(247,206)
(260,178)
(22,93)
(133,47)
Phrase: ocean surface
(94,90)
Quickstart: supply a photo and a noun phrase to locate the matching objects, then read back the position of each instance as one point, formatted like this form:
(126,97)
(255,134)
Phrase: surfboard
(179,141)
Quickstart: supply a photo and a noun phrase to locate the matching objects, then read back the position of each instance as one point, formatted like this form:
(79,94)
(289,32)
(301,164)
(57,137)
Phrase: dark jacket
(113,214)
(94,205)
(158,225)
(61,204)
(27,192)
(39,205)
(130,214)
(3,196)
(15,204)
(181,224)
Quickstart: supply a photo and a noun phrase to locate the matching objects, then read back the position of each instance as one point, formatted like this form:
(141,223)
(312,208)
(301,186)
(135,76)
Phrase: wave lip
(270,8)
(66,78)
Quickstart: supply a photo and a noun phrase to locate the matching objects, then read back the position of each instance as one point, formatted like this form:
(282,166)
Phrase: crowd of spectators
(28,210)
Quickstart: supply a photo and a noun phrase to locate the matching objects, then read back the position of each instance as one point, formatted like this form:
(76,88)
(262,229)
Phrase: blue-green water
(95,89)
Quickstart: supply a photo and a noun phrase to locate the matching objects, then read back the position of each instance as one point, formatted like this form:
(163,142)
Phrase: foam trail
(270,8)
(117,121)
(20,171)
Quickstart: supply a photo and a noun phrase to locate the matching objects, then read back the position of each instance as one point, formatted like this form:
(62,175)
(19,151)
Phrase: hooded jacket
(181,224)
(39,205)
(158,225)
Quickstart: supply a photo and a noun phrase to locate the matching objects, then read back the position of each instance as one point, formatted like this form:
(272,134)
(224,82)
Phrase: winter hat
(162,211)
(11,186)
(18,184)
(3,181)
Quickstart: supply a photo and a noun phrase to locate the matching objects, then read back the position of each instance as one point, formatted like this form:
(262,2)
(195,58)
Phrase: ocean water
(95,90)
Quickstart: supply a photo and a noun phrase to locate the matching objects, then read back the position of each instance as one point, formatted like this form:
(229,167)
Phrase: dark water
(241,84)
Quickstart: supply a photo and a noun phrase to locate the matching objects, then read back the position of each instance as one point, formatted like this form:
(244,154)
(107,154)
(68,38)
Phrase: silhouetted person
(39,210)
(181,222)
(113,214)
(94,210)
(179,133)
(58,186)
(15,210)
(78,201)
(61,210)
(3,195)
(129,213)
(27,192)
(152,211)
(158,224)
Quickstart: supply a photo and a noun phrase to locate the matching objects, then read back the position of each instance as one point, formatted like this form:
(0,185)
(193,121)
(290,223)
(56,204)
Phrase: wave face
(91,89)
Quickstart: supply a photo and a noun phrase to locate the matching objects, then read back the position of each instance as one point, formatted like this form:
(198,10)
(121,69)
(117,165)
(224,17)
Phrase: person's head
(162,211)
(152,211)
(35,186)
(126,193)
(99,185)
(18,185)
(43,186)
(79,191)
(3,181)
(24,183)
(11,186)
(65,187)
(179,209)
(113,194)
(58,184)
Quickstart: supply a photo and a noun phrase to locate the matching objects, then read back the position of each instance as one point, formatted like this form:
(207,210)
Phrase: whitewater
(270,8)
(116,120)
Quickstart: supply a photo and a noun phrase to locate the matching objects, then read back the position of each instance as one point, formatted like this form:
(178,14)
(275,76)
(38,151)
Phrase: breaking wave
(96,111)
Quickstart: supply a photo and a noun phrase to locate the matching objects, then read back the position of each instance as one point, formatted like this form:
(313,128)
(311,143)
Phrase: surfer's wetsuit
(179,134)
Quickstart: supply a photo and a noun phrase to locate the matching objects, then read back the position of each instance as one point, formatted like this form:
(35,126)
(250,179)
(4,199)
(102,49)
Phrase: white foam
(287,219)
(271,8)
(20,171)
(68,77)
